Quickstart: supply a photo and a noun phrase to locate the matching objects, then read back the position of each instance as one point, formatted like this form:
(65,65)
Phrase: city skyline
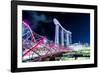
(42,23)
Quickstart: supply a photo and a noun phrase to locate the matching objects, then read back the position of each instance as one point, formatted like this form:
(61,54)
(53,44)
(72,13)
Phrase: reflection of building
(62,36)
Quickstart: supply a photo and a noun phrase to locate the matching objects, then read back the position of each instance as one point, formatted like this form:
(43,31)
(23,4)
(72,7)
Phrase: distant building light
(45,41)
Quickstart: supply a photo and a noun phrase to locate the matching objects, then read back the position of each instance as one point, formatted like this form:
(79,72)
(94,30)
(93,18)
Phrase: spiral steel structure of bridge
(36,47)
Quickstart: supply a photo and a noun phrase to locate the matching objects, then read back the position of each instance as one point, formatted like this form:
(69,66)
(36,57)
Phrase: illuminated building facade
(62,36)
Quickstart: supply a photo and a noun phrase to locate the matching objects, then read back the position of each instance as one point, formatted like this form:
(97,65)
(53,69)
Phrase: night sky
(42,23)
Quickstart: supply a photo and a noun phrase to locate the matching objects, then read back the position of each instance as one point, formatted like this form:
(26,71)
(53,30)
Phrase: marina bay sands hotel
(63,37)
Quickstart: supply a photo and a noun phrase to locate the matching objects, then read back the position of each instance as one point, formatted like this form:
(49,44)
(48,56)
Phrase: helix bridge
(36,47)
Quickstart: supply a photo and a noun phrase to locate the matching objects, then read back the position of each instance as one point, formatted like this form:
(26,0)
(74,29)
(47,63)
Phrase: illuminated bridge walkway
(39,48)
